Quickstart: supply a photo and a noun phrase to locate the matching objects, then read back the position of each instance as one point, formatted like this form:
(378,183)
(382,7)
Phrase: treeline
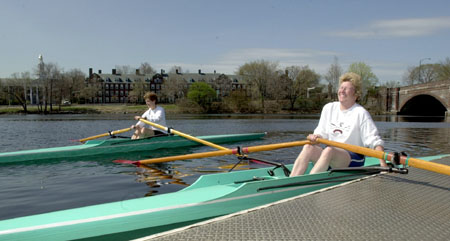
(269,88)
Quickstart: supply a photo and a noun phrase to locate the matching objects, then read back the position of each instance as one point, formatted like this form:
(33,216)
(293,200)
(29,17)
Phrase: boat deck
(415,206)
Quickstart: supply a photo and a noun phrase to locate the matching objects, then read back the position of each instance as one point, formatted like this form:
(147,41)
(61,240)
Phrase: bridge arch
(423,105)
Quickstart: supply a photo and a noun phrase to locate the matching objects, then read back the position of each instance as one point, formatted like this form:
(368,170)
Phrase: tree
(307,78)
(138,92)
(48,73)
(259,74)
(288,85)
(332,76)
(444,70)
(368,78)
(175,87)
(146,68)
(422,74)
(222,85)
(76,82)
(124,69)
(202,94)
(175,69)
(17,88)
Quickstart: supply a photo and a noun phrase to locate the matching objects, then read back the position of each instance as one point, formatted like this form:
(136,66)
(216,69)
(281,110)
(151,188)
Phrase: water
(39,187)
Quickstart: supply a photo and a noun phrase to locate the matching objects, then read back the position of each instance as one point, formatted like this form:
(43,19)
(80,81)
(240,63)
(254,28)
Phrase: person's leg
(142,132)
(308,153)
(331,156)
(136,133)
(146,132)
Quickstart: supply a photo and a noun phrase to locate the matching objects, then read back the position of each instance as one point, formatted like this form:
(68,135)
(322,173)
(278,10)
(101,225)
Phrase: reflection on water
(154,178)
(43,186)
(410,118)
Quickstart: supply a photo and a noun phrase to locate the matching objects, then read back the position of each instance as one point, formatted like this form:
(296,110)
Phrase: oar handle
(414,162)
(104,134)
(170,130)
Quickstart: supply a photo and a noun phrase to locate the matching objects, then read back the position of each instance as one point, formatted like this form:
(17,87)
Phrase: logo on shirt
(339,128)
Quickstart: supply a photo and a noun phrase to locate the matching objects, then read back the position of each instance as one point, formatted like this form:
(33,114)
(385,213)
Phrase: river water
(39,187)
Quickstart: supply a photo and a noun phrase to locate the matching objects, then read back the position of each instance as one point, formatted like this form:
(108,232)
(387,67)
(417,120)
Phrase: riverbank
(183,108)
(87,109)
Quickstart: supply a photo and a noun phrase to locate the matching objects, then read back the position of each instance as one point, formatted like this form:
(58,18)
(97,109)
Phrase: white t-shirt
(352,126)
(157,116)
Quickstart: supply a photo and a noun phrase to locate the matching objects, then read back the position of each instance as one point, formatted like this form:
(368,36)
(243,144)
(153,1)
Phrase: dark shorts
(357,159)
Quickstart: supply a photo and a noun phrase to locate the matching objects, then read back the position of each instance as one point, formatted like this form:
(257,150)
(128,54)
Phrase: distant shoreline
(128,109)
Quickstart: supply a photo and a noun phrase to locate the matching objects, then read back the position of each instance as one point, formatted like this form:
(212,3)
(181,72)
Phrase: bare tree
(422,74)
(175,69)
(222,85)
(139,88)
(76,82)
(17,88)
(287,86)
(124,69)
(146,68)
(174,87)
(332,76)
(444,70)
(259,74)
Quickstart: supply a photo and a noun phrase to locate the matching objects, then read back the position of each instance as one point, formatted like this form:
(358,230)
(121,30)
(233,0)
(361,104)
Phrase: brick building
(116,87)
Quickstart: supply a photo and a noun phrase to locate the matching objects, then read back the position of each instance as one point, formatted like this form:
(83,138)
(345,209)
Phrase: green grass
(89,108)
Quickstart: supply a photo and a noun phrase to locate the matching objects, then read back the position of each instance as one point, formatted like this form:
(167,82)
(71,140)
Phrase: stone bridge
(430,99)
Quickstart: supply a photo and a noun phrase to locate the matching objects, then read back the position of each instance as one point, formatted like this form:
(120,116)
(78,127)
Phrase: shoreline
(119,109)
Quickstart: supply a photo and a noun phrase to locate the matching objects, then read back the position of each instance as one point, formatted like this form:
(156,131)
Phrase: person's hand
(137,117)
(132,127)
(313,138)
(382,161)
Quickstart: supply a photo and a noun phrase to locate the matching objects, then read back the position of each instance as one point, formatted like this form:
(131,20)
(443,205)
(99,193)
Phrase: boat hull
(118,145)
(210,196)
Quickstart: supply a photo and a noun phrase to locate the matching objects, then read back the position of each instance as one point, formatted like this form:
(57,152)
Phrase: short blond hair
(353,78)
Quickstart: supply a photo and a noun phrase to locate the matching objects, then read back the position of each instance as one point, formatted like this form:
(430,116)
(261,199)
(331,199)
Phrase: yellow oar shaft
(244,150)
(207,143)
(104,134)
(414,162)
(426,165)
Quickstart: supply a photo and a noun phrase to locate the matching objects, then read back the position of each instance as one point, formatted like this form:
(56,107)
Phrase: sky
(390,36)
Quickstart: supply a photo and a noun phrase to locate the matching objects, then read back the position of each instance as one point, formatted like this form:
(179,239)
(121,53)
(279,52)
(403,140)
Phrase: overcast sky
(389,36)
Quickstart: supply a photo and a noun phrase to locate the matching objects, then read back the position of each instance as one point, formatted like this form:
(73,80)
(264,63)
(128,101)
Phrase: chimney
(214,71)
(199,71)
(162,71)
(137,72)
(176,71)
(90,73)
(114,71)
(99,71)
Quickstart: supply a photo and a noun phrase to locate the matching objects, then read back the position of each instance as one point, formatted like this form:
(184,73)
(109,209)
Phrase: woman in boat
(155,114)
(343,121)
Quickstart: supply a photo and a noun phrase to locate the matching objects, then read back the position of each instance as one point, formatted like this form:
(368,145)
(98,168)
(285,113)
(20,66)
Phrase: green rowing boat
(119,145)
(210,196)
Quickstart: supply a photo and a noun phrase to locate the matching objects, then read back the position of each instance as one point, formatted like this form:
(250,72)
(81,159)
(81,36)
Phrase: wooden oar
(414,162)
(192,138)
(235,151)
(104,134)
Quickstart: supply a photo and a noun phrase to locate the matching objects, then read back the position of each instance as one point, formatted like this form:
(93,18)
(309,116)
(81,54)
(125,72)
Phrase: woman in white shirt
(344,121)
(155,114)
